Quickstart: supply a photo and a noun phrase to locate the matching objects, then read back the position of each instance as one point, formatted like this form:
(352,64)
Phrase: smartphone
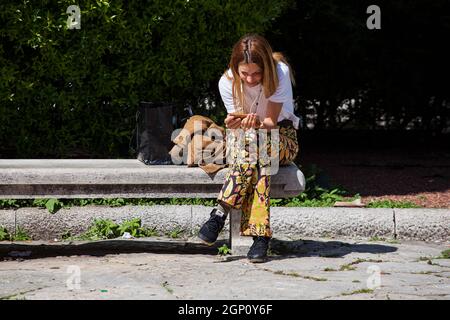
(238,115)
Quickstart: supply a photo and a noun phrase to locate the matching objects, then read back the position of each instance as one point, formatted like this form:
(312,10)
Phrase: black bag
(154,127)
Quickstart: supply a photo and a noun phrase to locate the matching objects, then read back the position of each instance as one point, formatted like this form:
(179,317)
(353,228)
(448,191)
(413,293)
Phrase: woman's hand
(232,122)
(251,121)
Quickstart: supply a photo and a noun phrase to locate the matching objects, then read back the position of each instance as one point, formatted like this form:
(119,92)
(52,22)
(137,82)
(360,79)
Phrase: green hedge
(67,93)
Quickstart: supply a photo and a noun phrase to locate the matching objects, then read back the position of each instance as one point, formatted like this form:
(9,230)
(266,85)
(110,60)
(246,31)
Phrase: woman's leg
(237,183)
(247,188)
(256,207)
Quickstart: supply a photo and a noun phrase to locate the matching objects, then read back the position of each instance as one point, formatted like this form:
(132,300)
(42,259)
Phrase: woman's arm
(271,119)
(225,89)
(269,122)
(281,95)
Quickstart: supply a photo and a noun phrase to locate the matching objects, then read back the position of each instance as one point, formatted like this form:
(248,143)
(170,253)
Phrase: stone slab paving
(307,268)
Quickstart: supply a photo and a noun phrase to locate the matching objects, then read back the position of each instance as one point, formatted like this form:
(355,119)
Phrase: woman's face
(250,73)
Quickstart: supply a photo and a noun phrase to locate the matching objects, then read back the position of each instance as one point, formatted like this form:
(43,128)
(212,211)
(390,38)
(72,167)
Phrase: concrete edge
(292,222)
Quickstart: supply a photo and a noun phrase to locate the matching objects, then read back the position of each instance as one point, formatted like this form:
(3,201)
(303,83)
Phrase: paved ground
(300,269)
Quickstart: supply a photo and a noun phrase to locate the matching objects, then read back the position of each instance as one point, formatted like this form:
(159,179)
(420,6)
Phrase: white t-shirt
(283,95)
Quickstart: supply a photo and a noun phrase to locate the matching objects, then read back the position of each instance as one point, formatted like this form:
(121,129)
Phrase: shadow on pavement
(282,249)
(42,249)
(279,249)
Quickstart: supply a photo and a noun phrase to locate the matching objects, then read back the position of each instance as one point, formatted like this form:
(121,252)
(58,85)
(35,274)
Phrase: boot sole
(205,241)
(257,260)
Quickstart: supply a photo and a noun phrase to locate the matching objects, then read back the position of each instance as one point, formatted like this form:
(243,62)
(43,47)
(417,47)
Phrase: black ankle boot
(211,228)
(258,250)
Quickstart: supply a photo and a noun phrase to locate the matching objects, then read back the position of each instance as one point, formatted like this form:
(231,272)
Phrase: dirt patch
(418,176)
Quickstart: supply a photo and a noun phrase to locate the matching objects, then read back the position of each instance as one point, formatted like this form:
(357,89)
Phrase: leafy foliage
(53,205)
(102,229)
(392,204)
(175,233)
(20,235)
(4,235)
(318,192)
(74,93)
(224,250)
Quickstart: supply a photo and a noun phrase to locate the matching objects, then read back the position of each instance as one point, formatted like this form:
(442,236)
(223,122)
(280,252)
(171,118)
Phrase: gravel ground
(418,176)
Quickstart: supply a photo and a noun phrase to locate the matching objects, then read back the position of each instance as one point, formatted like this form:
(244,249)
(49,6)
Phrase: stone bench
(128,178)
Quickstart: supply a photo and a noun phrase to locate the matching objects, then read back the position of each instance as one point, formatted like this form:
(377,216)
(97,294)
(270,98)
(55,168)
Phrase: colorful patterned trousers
(247,184)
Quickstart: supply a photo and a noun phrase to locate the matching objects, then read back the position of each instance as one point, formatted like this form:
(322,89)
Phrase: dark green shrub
(74,93)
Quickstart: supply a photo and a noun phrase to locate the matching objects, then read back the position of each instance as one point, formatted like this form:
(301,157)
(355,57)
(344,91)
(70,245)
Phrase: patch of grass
(107,229)
(66,235)
(21,235)
(224,250)
(329,269)
(393,241)
(54,205)
(9,204)
(4,234)
(358,292)
(314,278)
(423,272)
(376,238)
(16,296)
(148,232)
(356,281)
(315,197)
(277,272)
(318,192)
(366,260)
(350,266)
(347,267)
(175,233)
(296,275)
(391,204)
(427,259)
(444,254)
(133,227)
(101,230)
(281,272)
(165,285)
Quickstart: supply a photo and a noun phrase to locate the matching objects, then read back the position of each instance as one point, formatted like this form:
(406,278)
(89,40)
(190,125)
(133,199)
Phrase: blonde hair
(253,48)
